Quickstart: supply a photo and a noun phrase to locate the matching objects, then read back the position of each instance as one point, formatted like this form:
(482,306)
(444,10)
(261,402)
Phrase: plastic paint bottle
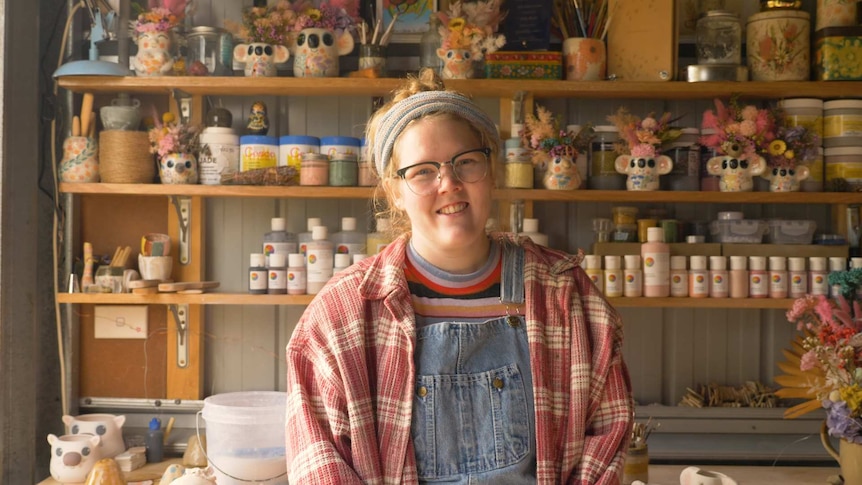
(719,284)
(739,278)
(377,240)
(777,277)
(593,268)
(531,230)
(758,278)
(837,264)
(698,278)
(613,276)
(297,278)
(277,281)
(155,442)
(278,240)
(656,258)
(633,276)
(257,274)
(303,238)
(319,256)
(797,277)
(349,240)
(678,277)
(818,283)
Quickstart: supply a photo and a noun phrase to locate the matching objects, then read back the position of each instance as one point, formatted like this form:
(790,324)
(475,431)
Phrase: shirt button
(513,321)
(498,383)
(423,391)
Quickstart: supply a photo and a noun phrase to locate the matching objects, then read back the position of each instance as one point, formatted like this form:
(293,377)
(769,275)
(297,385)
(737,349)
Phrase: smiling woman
(453,328)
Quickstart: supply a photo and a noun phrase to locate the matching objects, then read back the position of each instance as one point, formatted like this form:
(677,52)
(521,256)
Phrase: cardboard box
(838,54)
(524,65)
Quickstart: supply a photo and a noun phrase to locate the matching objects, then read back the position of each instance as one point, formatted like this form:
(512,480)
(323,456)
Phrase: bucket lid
(245,408)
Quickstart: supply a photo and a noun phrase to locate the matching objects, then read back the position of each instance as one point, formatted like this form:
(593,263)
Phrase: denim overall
(473,413)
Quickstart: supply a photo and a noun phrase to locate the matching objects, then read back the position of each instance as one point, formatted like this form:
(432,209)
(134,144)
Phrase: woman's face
(449,223)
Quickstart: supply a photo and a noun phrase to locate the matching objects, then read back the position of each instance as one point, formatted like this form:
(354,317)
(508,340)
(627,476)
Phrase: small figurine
(258,122)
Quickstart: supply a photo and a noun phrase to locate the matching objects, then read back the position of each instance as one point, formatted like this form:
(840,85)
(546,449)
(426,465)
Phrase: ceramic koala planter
(260,58)
(316,52)
(643,172)
(786,179)
(736,173)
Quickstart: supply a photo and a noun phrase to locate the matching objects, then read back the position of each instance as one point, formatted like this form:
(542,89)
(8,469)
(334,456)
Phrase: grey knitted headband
(414,107)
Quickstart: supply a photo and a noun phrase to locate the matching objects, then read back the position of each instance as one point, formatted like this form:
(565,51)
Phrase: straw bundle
(124,157)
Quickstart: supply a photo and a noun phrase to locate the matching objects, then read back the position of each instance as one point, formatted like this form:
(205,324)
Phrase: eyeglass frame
(401,172)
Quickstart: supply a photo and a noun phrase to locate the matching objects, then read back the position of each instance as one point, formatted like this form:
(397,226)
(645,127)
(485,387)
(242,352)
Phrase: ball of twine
(125,158)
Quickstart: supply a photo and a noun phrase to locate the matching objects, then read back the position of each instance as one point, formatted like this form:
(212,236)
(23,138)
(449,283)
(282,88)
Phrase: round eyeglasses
(469,167)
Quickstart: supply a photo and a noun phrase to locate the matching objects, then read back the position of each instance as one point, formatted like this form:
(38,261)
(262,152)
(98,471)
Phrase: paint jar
(625,214)
(257,151)
(315,169)
(367,172)
(343,170)
(843,163)
(807,112)
(373,56)
(603,155)
(842,123)
(519,167)
(636,465)
(219,154)
(334,145)
(643,228)
(292,147)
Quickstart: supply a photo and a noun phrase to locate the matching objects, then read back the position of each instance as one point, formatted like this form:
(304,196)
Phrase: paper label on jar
(842,125)
(254,156)
(291,155)
(277,279)
(215,159)
(257,280)
(656,269)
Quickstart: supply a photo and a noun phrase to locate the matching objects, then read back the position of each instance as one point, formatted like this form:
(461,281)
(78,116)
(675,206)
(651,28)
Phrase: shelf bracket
(183,206)
(184,104)
(181,315)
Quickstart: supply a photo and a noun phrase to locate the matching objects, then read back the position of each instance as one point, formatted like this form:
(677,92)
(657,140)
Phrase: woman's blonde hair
(386,192)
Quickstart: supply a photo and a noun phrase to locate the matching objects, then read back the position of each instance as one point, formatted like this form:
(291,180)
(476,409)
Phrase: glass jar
(519,167)
(315,169)
(204,52)
(719,38)
(343,170)
(428,45)
(373,56)
(603,156)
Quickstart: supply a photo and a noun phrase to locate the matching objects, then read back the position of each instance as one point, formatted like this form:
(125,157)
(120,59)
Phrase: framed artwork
(413,18)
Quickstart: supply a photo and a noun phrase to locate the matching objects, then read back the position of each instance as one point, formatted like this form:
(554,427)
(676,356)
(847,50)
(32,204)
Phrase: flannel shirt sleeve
(318,447)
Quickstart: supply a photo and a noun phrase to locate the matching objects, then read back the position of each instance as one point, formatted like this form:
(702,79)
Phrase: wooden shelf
(216,298)
(503,194)
(497,88)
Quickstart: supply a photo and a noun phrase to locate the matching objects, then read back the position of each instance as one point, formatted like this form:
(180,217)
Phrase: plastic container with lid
(718,38)
(333,145)
(738,231)
(842,123)
(625,214)
(219,154)
(685,153)
(807,112)
(843,163)
(205,52)
(730,216)
(257,151)
(315,169)
(603,155)
(292,147)
(518,167)
(343,170)
(790,232)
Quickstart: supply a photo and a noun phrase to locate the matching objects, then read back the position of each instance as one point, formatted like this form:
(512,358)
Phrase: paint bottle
(719,284)
(319,260)
(739,278)
(303,238)
(678,277)
(297,278)
(837,264)
(277,269)
(278,240)
(257,274)
(818,283)
(777,277)
(633,276)
(155,442)
(613,276)
(797,277)
(656,259)
(698,278)
(342,262)
(531,230)
(758,278)
(348,240)
(593,268)
(377,240)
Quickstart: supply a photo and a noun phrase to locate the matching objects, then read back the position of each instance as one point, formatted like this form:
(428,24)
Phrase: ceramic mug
(73,456)
(585,58)
(695,476)
(107,427)
(155,267)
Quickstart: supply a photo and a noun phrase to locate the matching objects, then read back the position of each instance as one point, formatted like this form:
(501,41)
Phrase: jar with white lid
(718,38)
(518,167)
(843,163)
(807,112)
(603,157)
(219,154)
(842,123)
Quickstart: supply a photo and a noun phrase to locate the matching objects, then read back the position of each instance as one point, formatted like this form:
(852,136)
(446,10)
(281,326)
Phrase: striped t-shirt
(439,296)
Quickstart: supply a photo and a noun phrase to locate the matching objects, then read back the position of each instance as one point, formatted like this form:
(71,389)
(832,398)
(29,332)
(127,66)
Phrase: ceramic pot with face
(786,179)
(154,56)
(178,168)
(73,456)
(316,52)
(643,172)
(457,63)
(561,174)
(736,173)
(260,59)
(107,427)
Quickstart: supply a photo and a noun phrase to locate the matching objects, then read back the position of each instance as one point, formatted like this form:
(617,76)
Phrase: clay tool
(86,110)
(87,278)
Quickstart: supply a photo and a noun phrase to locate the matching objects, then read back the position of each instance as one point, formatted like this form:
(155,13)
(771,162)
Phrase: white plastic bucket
(245,437)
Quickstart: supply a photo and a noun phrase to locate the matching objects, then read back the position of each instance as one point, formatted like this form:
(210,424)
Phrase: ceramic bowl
(118,117)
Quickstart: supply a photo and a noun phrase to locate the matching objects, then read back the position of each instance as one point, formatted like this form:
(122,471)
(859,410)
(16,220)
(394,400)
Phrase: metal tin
(777,45)
(833,48)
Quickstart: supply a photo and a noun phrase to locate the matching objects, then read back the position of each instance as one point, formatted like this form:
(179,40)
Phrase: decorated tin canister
(292,147)
(836,53)
(777,45)
(332,145)
(835,13)
(258,151)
